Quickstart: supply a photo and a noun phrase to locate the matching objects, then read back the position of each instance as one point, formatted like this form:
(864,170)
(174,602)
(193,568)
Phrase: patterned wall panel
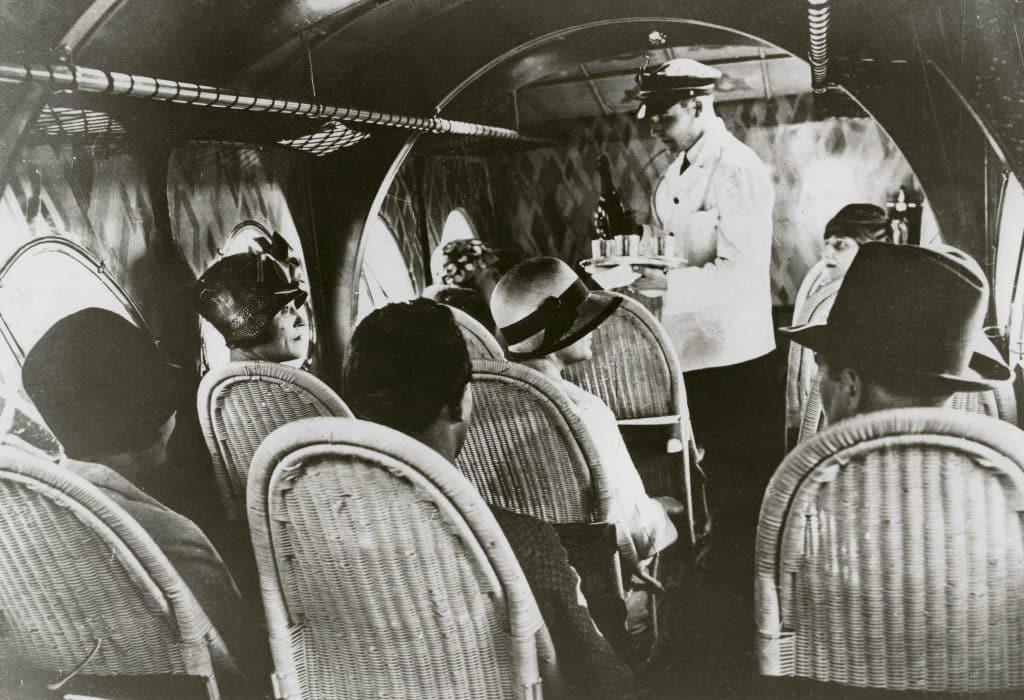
(401,211)
(539,201)
(93,196)
(99,198)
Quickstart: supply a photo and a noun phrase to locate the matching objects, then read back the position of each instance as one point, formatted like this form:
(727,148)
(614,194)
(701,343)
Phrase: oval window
(384,277)
(48,279)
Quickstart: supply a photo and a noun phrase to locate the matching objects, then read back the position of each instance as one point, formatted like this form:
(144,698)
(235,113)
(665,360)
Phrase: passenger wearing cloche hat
(851,227)
(905,331)
(547,317)
(253,303)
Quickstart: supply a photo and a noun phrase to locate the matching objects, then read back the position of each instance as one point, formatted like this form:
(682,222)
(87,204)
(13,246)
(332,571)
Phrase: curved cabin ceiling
(407,55)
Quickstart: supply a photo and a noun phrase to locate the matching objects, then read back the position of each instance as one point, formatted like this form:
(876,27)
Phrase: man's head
(851,227)
(408,369)
(542,309)
(251,301)
(677,99)
(905,331)
(102,386)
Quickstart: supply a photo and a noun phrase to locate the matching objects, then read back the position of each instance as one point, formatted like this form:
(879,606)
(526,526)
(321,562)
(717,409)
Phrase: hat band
(554,313)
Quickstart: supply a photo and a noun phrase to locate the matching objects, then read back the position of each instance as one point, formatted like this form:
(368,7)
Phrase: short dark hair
(928,390)
(470,301)
(405,363)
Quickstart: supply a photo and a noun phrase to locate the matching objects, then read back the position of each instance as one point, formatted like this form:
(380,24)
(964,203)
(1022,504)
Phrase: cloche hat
(541,306)
(862,221)
(240,294)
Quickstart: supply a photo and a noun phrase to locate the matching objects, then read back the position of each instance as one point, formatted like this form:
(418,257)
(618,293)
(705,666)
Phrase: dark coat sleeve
(588,664)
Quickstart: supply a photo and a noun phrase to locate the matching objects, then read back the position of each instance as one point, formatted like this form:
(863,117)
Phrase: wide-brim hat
(661,86)
(541,306)
(101,383)
(912,312)
(241,294)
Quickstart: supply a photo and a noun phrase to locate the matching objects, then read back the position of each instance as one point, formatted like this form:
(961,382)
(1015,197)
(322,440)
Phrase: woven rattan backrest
(383,572)
(998,402)
(890,554)
(79,575)
(241,403)
(635,370)
(802,368)
(480,342)
(526,449)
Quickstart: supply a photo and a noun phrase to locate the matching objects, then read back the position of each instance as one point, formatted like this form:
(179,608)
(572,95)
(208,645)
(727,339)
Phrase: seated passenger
(851,227)
(252,303)
(110,398)
(905,331)
(464,274)
(547,316)
(408,369)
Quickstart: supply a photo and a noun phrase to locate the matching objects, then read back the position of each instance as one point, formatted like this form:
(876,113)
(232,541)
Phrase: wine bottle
(610,212)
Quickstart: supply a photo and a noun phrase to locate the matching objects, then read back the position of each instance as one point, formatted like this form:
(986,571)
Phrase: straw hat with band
(242,293)
(541,306)
(861,221)
(662,86)
(907,311)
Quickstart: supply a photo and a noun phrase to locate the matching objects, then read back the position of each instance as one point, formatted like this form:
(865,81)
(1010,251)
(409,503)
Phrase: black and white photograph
(511,349)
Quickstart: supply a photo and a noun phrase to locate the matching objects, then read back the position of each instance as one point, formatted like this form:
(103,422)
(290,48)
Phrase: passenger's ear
(852,383)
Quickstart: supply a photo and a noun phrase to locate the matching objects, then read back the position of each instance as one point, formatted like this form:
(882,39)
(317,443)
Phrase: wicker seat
(636,372)
(85,590)
(384,573)
(480,342)
(999,402)
(890,554)
(527,451)
(801,367)
(241,403)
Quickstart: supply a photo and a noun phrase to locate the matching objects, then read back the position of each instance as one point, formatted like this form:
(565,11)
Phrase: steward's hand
(652,278)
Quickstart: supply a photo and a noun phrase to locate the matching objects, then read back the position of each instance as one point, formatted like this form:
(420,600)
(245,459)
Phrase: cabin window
(1009,286)
(384,277)
(44,281)
(253,237)
(458,227)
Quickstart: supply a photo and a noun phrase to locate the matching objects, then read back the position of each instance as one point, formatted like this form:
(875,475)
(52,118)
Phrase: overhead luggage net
(333,134)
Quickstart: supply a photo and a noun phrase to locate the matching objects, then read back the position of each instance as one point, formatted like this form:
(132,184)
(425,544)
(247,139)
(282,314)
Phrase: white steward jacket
(718,307)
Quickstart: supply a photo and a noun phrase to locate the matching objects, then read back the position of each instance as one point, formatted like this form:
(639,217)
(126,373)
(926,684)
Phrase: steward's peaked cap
(664,85)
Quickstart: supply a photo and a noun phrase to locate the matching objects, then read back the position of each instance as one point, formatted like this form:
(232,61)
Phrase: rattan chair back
(890,554)
(85,590)
(635,370)
(480,342)
(526,449)
(383,572)
(240,403)
(801,367)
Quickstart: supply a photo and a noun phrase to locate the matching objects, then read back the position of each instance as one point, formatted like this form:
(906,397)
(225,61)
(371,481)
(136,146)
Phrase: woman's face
(580,351)
(838,254)
(290,339)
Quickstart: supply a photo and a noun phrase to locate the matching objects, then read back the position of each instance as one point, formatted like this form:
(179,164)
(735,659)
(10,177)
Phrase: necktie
(685,164)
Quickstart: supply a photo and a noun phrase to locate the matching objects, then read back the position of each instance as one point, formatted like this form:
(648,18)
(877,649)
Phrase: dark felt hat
(861,221)
(911,311)
(541,306)
(242,293)
(661,86)
(101,384)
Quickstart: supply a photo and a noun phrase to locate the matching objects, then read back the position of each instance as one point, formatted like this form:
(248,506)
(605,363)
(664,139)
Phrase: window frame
(83,257)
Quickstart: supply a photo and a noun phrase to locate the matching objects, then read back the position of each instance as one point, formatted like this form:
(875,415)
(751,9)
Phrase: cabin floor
(707,646)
